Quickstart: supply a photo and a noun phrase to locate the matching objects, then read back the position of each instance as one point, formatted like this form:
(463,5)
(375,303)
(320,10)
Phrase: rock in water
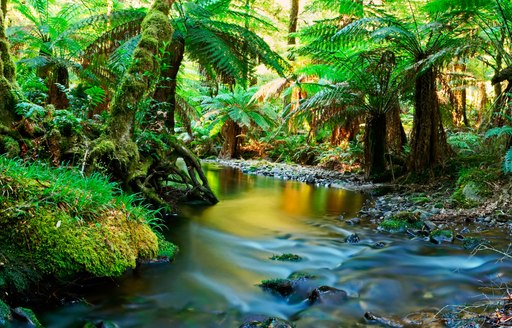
(327,295)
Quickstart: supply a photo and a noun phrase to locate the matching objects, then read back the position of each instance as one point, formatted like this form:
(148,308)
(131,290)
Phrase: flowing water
(225,251)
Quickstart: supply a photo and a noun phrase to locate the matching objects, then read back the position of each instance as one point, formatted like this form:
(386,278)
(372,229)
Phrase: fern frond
(499,132)
(507,162)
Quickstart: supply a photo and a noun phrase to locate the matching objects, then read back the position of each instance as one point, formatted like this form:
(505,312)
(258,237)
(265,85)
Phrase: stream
(225,253)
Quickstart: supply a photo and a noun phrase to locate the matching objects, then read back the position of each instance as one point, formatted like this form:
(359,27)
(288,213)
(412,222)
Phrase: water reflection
(225,252)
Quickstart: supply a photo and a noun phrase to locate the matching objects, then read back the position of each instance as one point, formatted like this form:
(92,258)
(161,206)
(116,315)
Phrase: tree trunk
(428,140)
(165,92)
(459,97)
(231,132)
(346,132)
(58,75)
(117,151)
(395,136)
(7,77)
(481,102)
(292,24)
(375,144)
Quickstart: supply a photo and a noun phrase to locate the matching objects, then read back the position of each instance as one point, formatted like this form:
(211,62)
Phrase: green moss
(286,257)
(9,146)
(54,222)
(166,249)
(420,200)
(5,313)
(440,236)
(30,316)
(283,287)
(472,186)
(401,222)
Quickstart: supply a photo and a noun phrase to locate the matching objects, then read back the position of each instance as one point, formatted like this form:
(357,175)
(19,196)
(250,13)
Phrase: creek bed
(226,249)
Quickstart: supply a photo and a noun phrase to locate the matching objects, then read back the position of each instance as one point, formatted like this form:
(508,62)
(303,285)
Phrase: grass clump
(286,257)
(56,223)
(401,222)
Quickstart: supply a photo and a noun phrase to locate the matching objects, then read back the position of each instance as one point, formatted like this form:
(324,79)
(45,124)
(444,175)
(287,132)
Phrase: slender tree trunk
(459,101)
(346,132)
(292,24)
(483,99)
(428,141)
(165,92)
(375,144)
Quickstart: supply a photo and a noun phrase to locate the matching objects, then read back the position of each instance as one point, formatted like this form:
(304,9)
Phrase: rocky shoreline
(432,202)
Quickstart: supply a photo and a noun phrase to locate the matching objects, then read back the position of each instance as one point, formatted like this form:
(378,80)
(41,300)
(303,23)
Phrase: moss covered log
(55,223)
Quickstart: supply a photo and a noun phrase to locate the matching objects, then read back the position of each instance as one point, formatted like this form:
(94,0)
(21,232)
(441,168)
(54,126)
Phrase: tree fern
(507,162)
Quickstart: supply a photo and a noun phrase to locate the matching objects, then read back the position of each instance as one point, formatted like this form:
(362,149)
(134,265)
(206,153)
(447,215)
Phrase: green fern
(507,162)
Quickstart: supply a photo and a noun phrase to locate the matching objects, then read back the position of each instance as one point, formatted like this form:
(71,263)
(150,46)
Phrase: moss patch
(286,257)
(401,222)
(441,236)
(56,223)
(473,187)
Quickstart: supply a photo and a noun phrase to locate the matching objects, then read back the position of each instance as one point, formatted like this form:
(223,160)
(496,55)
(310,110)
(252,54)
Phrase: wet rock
(441,236)
(401,222)
(353,221)
(430,225)
(383,321)
(379,244)
(268,322)
(26,316)
(353,239)
(327,295)
(283,287)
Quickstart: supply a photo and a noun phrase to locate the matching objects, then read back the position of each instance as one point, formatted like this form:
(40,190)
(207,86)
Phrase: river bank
(435,201)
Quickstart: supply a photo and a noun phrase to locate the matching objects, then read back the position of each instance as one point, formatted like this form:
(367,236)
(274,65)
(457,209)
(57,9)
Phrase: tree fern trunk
(375,144)
(232,140)
(428,141)
(395,134)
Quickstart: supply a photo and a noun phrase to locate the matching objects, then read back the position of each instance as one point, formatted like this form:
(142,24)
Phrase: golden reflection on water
(269,206)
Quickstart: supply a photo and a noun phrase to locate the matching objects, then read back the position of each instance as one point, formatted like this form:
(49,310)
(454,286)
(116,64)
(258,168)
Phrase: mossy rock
(473,185)
(27,317)
(401,222)
(283,287)
(439,236)
(286,257)
(420,200)
(57,224)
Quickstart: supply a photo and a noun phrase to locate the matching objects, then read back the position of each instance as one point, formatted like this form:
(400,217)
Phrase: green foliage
(237,106)
(56,222)
(473,185)
(499,132)
(465,142)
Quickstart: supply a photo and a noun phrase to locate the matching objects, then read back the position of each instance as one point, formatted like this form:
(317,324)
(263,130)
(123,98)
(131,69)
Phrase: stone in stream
(353,221)
(266,322)
(383,321)
(441,236)
(101,324)
(327,295)
(353,239)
